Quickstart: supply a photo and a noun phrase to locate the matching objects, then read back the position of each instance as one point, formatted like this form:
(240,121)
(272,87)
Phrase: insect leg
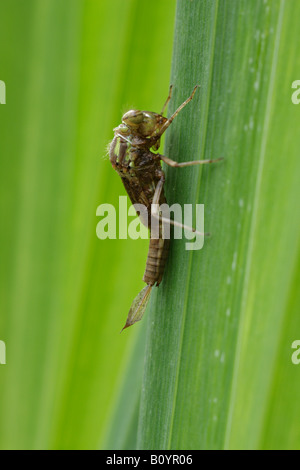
(158,190)
(165,126)
(172,163)
(155,210)
(167,100)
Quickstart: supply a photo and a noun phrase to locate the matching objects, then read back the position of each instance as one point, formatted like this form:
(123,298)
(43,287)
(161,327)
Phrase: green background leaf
(218,353)
(71,69)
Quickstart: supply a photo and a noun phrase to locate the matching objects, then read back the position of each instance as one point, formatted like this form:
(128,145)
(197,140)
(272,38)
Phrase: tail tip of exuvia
(125,326)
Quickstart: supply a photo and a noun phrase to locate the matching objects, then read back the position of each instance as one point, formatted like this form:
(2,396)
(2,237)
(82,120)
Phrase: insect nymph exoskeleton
(132,155)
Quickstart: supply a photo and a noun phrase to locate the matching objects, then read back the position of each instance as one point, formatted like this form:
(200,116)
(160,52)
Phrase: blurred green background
(71,68)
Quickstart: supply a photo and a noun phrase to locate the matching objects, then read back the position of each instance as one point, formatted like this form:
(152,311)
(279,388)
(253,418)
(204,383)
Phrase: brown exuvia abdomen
(156,261)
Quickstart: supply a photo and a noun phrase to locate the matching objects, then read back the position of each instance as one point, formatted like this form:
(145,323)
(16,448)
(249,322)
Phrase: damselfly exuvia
(142,175)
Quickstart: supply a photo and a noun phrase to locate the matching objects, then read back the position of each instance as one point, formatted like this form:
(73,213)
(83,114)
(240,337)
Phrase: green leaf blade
(212,353)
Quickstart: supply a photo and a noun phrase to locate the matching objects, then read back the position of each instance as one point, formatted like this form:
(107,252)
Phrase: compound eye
(133,118)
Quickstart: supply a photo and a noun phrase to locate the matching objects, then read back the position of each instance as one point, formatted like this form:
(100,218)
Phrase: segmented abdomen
(156,260)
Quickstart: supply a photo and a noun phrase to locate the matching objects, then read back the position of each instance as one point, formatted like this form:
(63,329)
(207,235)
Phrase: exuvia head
(144,123)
